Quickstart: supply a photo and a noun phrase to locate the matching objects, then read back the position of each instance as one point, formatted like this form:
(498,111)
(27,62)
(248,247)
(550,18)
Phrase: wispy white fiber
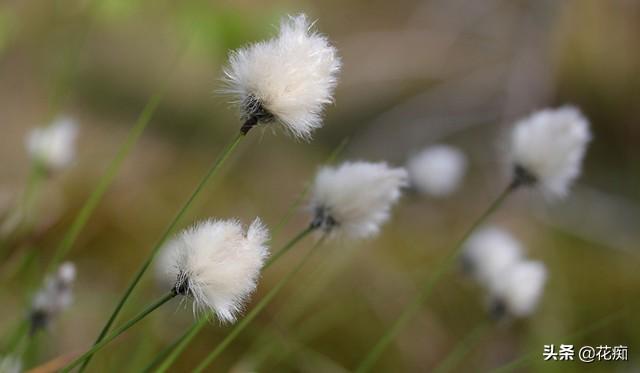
(489,252)
(288,79)
(10,364)
(549,146)
(355,198)
(217,264)
(53,147)
(54,297)
(521,287)
(437,170)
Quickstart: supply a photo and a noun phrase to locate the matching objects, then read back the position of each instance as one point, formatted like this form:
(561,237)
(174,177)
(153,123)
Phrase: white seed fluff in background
(218,265)
(53,146)
(356,198)
(288,79)
(549,146)
(437,170)
(55,296)
(489,252)
(9,364)
(521,288)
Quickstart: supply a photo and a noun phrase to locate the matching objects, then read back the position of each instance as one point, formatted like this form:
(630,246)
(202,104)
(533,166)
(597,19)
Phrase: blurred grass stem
(168,232)
(242,324)
(150,308)
(414,307)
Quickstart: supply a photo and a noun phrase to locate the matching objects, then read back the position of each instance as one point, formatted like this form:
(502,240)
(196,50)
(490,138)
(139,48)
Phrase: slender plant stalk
(242,324)
(517,363)
(459,351)
(20,331)
(178,347)
(96,347)
(105,182)
(414,307)
(114,166)
(168,232)
(17,221)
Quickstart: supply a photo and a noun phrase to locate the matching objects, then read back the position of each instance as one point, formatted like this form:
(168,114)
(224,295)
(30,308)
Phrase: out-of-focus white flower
(547,148)
(53,147)
(356,197)
(288,79)
(437,170)
(55,296)
(520,289)
(217,264)
(489,253)
(10,364)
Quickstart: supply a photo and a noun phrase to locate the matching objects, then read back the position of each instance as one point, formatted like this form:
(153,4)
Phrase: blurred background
(416,73)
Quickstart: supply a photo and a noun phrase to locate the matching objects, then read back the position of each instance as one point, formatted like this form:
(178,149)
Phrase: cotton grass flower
(53,147)
(437,171)
(489,252)
(355,198)
(288,79)
(217,264)
(520,290)
(55,296)
(547,149)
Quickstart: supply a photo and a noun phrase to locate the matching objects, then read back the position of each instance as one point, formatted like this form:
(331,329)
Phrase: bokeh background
(416,72)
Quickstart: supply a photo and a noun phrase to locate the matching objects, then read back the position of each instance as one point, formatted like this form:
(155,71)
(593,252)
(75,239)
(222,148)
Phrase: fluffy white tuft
(489,253)
(54,297)
(10,364)
(217,264)
(549,145)
(53,147)
(521,287)
(356,197)
(288,78)
(437,170)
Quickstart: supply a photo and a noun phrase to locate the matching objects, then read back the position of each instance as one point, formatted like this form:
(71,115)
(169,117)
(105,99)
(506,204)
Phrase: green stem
(96,347)
(517,363)
(454,357)
(297,238)
(414,307)
(112,169)
(179,346)
(17,221)
(105,182)
(242,324)
(168,232)
(20,332)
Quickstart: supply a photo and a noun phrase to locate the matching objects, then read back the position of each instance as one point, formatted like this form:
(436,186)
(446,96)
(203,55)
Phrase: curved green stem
(458,352)
(242,324)
(178,347)
(168,232)
(96,347)
(414,307)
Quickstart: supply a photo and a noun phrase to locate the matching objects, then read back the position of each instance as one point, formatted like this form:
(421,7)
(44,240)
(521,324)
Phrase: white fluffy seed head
(54,297)
(289,78)
(437,171)
(489,252)
(549,146)
(521,287)
(355,198)
(53,147)
(217,264)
